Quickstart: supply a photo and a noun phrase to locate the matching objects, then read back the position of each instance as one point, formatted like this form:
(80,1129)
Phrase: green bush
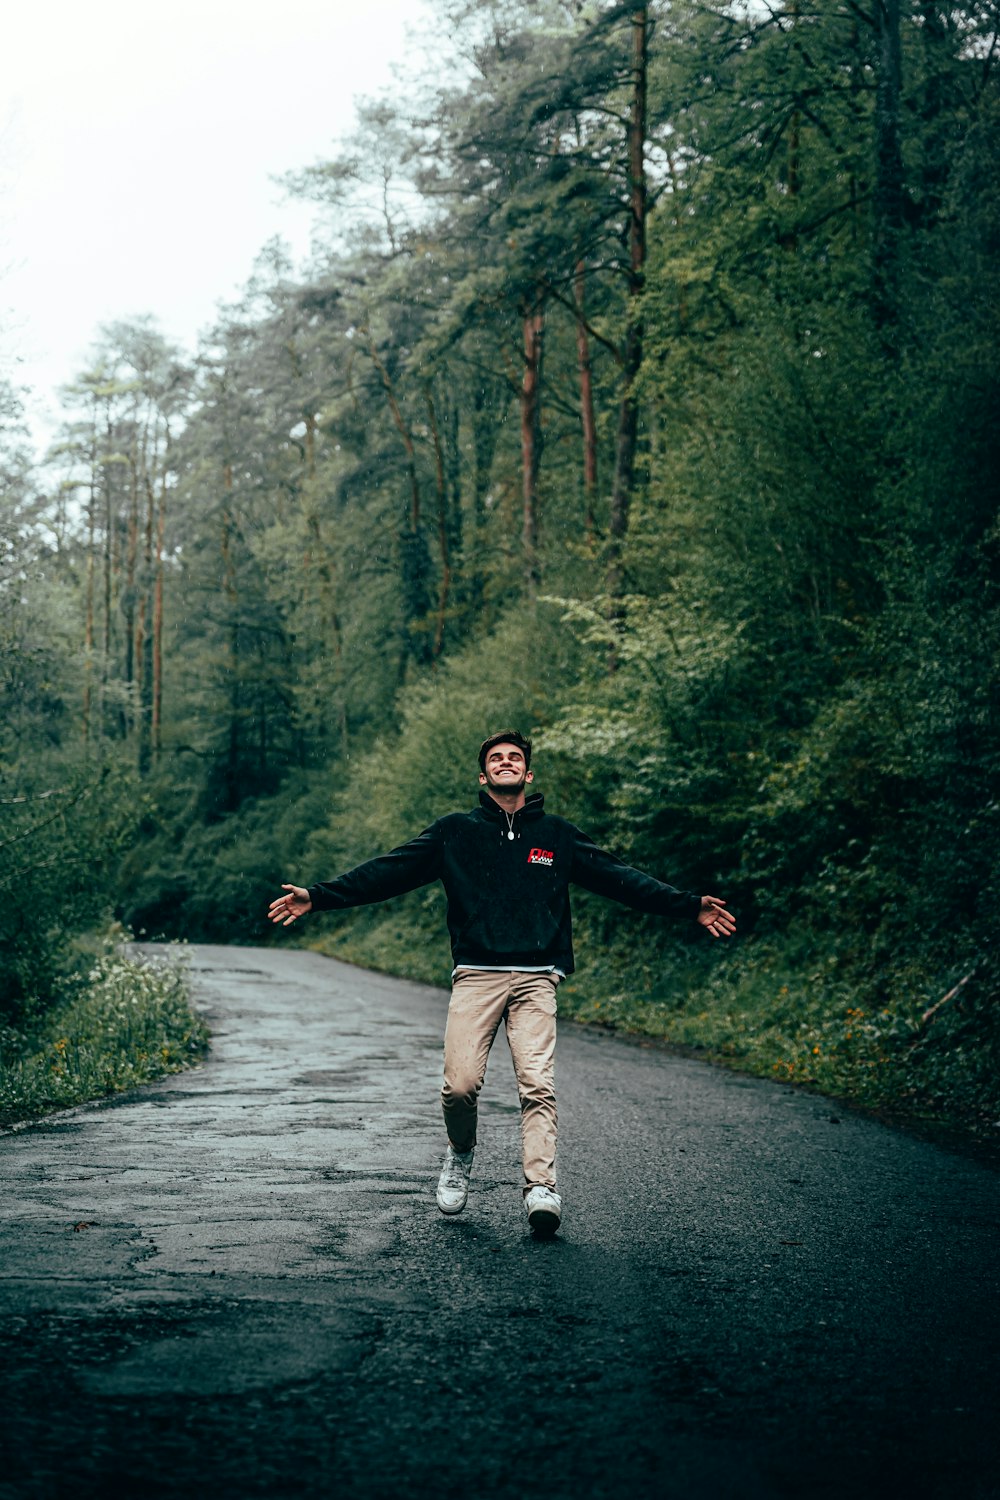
(61,842)
(121,1024)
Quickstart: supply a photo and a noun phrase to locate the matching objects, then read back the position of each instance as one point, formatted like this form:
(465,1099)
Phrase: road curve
(236,1283)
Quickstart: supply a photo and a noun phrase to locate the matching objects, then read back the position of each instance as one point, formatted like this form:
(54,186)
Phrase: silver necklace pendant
(510,834)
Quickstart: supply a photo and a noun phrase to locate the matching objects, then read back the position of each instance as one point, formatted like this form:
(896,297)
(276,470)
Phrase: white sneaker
(453,1184)
(544,1207)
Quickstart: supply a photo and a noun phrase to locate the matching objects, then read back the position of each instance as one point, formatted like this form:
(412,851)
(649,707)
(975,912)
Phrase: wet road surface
(236,1282)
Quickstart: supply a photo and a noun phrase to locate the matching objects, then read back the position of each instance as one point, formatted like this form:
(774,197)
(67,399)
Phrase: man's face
(505,769)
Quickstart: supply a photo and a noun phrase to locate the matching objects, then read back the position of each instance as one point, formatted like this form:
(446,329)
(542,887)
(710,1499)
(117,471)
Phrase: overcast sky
(138,142)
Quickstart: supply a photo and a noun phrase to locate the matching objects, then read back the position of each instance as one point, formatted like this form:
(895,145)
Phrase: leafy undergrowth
(899,1049)
(903,1045)
(388,947)
(121,1024)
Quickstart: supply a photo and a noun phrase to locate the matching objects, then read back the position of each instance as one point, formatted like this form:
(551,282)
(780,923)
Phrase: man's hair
(505,737)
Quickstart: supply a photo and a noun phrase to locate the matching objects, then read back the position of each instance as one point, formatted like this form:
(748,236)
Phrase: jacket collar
(533,807)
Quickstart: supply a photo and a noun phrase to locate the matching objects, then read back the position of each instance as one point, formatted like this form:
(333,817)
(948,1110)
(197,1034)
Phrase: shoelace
(456,1171)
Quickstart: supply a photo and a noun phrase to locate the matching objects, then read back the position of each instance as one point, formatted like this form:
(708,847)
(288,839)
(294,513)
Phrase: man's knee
(461,1092)
(537,1093)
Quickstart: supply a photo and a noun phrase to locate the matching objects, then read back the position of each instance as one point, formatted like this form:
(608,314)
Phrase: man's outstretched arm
(604,873)
(404,869)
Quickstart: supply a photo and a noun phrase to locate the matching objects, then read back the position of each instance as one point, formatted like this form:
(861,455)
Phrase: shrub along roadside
(786,1007)
(122,1023)
(63,829)
(911,1055)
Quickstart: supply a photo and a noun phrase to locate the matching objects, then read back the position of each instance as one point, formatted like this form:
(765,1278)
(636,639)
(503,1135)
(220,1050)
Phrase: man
(506,867)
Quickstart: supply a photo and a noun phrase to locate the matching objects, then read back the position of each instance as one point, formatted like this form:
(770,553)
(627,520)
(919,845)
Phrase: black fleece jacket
(508,899)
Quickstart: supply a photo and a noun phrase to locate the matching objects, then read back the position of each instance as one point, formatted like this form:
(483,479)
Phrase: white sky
(138,142)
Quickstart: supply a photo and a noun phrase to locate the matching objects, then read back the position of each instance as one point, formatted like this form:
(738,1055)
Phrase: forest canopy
(642,391)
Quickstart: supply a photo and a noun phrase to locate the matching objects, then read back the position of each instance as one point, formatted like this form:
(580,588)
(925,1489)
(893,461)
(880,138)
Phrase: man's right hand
(715,918)
(288,908)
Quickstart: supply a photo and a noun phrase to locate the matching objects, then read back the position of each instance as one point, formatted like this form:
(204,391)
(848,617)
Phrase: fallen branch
(56,791)
(933,1010)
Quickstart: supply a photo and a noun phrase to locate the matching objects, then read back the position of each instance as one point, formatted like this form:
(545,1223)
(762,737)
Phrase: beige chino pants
(526,1003)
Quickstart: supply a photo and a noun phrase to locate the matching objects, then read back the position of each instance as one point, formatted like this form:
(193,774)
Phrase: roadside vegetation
(765,1014)
(784,1009)
(79,1017)
(119,1023)
(641,392)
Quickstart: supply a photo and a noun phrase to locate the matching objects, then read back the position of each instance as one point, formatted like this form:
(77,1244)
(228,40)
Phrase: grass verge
(121,1024)
(911,1044)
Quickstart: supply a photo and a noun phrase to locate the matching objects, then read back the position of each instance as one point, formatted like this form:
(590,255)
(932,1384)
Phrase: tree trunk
(888,194)
(405,434)
(533,319)
(330,625)
(453,482)
(857,84)
(794,138)
(143,652)
(934,168)
(131,558)
(108,561)
(444,586)
(485,428)
(156,730)
(628,418)
(88,629)
(232,775)
(587,420)
(413,558)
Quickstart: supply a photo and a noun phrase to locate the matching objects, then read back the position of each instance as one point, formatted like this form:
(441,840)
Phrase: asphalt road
(236,1282)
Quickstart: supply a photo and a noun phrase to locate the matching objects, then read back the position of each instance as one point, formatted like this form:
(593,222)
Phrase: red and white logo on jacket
(541,857)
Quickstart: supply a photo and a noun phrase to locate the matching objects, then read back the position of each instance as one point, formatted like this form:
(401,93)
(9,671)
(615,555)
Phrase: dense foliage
(120,1022)
(641,392)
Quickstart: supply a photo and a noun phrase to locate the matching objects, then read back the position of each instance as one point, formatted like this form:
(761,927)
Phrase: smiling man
(506,868)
